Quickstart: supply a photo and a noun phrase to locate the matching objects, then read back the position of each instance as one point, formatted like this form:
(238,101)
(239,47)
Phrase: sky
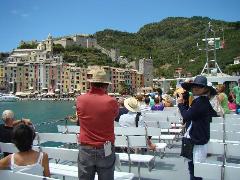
(34,20)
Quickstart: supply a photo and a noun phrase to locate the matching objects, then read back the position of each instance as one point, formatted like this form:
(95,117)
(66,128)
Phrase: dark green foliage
(58,48)
(84,57)
(171,38)
(233,68)
(28,46)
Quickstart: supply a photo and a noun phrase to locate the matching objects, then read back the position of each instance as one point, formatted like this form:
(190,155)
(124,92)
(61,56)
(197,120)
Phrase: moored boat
(8,98)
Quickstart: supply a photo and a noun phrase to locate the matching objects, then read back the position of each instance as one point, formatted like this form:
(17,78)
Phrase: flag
(222,44)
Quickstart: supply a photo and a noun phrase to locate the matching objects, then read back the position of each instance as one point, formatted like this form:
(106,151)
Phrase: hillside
(174,40)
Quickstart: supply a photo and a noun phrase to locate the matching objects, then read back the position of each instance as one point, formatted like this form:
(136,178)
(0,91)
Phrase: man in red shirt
(96,112)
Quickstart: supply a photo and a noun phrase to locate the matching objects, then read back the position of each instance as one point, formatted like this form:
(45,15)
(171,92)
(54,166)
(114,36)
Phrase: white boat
(8,98)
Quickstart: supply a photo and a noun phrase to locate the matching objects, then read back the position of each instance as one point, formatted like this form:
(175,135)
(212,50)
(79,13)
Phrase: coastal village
(158,102)
(32,71)
(40,71)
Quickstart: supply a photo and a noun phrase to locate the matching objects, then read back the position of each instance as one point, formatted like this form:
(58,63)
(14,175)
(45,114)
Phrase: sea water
(46,115)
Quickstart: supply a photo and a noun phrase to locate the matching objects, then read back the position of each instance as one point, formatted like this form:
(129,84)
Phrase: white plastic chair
(10,175)
(68,129)
(208,170)
(140,142)
(156,132)
(232,172)
(56,137)
(8,148)
(217,119)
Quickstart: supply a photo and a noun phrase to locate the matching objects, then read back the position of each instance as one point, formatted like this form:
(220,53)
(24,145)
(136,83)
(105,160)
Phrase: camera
(185,95)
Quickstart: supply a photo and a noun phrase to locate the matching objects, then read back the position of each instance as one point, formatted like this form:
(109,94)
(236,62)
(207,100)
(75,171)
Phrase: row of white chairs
(132,137)
(233,119)
(225,130)
(219,170)
(168,135)
(10,175)
(60,155)
(224,142)
(128,138)
(170,123)
(216,171)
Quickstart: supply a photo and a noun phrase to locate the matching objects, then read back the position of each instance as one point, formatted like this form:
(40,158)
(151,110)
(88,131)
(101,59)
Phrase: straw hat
(132,104)
(99,76)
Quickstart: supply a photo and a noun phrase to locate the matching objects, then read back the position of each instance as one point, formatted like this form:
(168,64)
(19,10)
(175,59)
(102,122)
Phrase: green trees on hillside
(28,46)
(163,40)
(82,56)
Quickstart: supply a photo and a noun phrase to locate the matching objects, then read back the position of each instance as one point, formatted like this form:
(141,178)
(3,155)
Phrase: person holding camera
(199,114)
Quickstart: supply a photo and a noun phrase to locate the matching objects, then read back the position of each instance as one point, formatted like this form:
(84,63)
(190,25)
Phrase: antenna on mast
(211,45)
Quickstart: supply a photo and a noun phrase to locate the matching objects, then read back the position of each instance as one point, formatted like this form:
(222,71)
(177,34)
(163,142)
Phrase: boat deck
(170,167)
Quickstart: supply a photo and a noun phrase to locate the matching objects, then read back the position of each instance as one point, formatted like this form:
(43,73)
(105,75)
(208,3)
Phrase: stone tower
(49,43)
(146,68)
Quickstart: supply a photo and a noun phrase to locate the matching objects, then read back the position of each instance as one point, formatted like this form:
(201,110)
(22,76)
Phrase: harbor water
(44,114)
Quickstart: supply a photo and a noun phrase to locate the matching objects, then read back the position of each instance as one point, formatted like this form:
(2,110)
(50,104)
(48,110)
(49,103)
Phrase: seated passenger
(7,128)
(231,104)
(133,118)
(146,106)
(122,109)
(158,106)
(26,160)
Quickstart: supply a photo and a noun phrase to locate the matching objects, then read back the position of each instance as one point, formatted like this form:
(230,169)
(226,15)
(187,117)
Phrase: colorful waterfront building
(78,80)
(2,75)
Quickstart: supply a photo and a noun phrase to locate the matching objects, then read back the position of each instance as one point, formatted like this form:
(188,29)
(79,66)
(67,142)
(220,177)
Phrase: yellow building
(139,80)
(66,87)
(78,81)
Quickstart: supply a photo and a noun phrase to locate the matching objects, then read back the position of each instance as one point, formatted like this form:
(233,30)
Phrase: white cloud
(17,13)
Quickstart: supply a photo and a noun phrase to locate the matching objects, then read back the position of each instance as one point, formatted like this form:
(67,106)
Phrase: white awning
(18,93)
(56,90)
(30,88)
(23,94)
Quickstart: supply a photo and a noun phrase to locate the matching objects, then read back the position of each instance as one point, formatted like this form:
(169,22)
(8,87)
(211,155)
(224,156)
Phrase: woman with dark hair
(26,160)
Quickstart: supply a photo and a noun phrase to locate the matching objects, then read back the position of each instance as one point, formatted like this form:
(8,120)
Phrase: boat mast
(210,45)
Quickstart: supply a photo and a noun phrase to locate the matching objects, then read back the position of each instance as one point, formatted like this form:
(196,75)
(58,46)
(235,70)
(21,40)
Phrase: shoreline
(46,99)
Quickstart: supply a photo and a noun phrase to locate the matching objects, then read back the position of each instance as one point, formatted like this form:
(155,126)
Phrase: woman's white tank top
(35,168)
